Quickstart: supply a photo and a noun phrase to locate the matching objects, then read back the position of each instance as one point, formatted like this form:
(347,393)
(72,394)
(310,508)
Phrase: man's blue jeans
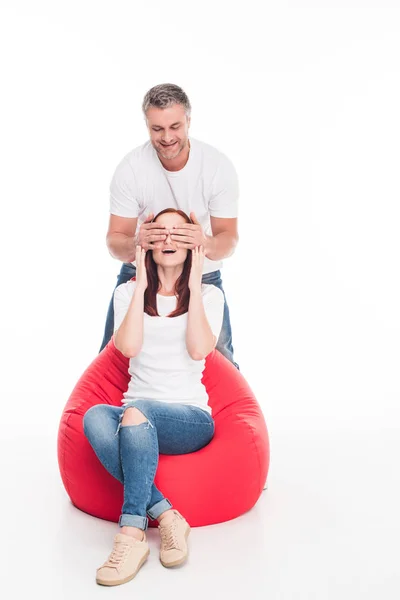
(130,452)
(224,343)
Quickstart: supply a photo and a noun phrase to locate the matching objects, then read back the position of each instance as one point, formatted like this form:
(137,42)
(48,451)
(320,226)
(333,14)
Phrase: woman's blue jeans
(130,452)
(224,343)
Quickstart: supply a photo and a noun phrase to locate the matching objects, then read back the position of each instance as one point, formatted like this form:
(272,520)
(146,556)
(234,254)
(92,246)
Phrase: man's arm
(121,238)
(223,241)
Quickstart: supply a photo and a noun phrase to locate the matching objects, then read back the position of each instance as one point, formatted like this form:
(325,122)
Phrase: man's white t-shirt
(207,185)
(163,370)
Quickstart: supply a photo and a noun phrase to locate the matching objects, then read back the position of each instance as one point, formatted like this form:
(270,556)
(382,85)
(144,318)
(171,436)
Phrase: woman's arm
(200,339)
(128,338)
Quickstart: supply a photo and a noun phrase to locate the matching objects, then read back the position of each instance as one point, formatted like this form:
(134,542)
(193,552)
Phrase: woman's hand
(141,272)
(196,271)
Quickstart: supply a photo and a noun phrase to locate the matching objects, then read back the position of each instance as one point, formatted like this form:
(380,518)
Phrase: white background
(304,98)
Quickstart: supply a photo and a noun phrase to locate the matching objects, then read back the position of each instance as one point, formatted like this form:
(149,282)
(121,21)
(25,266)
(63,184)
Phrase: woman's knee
(133,416)
(92,418)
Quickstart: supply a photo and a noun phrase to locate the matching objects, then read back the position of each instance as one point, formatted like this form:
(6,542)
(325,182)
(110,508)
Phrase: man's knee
(133,416)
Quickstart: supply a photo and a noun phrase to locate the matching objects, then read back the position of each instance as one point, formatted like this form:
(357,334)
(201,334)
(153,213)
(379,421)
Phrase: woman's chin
(170,263)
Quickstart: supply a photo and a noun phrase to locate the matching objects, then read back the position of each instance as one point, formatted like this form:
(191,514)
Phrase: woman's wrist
(140,289)
(195,290)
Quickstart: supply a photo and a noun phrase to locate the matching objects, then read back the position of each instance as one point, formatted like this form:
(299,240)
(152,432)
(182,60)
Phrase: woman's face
(166,253)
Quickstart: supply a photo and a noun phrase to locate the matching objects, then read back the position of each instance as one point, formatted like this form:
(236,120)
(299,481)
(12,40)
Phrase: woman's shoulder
(211,291)
(126,289)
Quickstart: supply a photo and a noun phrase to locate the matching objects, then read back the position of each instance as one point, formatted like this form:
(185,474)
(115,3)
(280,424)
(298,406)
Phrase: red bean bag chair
(217,483)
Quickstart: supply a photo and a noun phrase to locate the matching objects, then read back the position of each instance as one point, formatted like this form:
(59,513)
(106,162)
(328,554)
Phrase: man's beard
(180,148)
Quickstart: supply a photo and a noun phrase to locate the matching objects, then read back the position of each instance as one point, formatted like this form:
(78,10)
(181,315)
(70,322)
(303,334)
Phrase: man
(173,170)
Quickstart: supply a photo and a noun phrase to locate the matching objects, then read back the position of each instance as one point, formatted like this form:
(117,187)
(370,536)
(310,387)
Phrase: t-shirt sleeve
(122,298)
(213,301)
(123,192)
(224,191)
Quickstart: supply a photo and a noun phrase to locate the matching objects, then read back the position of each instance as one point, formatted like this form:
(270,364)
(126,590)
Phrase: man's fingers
(146,245)
(149,218)
(184,227)
(185,245)
(194,218)
(148,226)
(145,235)
(155,238)
(182,238)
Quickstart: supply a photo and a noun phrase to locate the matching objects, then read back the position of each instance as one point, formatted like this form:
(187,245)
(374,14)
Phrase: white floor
(327,527)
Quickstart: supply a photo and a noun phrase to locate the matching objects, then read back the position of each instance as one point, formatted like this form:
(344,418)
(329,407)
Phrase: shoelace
(168,536)
(117,555)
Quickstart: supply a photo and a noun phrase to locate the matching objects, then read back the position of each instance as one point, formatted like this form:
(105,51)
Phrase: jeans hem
(133,521)
(155,511)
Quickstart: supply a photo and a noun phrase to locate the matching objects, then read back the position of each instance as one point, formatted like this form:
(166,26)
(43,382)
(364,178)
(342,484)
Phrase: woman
(166,322)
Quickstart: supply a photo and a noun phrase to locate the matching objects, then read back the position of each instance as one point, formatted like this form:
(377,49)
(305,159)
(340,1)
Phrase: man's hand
(189,235)
(150,233)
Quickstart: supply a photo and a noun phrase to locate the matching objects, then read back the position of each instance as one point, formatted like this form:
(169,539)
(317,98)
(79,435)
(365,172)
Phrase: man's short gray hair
(164,96)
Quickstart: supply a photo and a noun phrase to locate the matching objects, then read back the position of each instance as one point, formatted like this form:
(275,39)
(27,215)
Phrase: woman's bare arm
(128,339)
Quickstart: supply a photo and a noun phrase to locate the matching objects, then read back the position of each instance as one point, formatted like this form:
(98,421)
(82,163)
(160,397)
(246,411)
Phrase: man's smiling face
(168,129)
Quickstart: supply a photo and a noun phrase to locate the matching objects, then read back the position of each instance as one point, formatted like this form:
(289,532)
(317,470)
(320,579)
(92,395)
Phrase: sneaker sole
(176,563)
(126,579)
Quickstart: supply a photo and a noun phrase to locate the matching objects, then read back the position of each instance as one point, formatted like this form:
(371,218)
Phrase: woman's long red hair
(182,291)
